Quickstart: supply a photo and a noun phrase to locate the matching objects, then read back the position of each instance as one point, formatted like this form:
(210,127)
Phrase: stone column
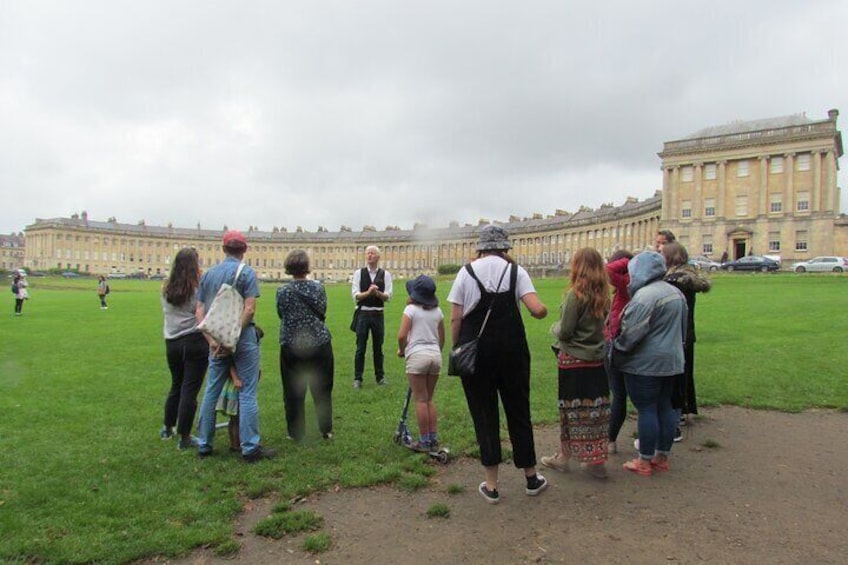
(697,211)
(666,197)
(819,197)
(722,187)
(789,173)
(830,164)
(764,175)
(674,196)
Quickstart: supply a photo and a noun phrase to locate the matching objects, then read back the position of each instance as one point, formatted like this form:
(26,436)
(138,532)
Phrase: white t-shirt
(488,269)
(424,333)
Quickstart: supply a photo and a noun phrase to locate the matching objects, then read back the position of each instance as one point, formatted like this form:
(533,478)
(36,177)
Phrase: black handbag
(462,359)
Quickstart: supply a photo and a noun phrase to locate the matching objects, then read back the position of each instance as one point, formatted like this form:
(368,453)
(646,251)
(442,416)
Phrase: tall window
(686,174)
(686,209)
(742,205)
(776,165)
(709,207)
(803,202)
(707,244)
(775,203)
(710,171)
(802,162)
(742,169)
(774,242)
(801,240)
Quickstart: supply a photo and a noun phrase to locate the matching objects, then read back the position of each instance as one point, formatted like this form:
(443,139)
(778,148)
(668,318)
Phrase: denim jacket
(653,326)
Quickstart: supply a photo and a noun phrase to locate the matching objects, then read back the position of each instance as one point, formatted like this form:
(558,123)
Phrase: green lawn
(84,477)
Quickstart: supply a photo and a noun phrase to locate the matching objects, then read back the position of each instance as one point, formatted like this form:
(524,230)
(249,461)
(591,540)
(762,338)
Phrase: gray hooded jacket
(653,326)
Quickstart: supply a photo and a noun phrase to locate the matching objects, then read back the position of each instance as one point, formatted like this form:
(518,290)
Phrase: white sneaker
(636,444)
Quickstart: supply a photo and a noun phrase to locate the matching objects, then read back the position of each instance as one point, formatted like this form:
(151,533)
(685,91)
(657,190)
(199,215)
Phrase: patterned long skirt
(584,408)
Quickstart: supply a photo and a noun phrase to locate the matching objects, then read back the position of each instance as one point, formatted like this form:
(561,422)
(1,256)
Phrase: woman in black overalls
(503,358)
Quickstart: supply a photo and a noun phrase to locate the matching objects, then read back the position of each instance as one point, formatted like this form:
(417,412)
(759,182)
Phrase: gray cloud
(379,113)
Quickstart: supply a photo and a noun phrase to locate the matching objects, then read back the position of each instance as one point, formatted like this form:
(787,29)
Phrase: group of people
(626,329)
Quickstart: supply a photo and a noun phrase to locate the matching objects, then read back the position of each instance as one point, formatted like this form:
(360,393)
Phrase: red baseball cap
(234,238)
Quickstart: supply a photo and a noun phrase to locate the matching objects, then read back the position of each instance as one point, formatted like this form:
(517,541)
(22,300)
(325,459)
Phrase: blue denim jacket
(653,325)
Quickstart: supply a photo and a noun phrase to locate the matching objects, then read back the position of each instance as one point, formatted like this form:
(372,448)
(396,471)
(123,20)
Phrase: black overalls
(503,367)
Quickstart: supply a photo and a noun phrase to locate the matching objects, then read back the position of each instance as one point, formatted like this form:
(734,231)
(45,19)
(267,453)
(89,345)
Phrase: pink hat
(234,239)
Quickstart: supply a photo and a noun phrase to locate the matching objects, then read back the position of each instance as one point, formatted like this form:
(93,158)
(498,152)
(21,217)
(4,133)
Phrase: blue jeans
(246,359)
(657,419)
(618,409)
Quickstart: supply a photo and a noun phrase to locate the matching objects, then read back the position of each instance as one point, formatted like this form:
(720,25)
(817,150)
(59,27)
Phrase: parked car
(157,277)
(70,275)
(827,264)
(116,276)
(752,263)
(704,263)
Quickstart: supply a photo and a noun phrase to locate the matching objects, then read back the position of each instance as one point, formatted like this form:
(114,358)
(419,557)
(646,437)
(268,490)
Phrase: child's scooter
(404,438)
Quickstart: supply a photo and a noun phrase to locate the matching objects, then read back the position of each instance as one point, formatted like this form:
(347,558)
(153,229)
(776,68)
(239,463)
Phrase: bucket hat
(493,238)
(422,290)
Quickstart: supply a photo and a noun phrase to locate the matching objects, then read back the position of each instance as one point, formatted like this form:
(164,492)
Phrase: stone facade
(765,187)
(540,243)
(12,251)
(762,187)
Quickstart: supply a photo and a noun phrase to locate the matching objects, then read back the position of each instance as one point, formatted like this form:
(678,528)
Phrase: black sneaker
(166,433)
(259,454)
(491,496)
(678,435)
(205,453)
(382,382)
(536,484)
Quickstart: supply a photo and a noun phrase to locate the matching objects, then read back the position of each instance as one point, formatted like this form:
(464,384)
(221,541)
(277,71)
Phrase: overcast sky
(353,112)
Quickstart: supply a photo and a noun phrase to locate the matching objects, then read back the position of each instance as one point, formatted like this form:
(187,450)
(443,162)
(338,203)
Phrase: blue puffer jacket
(653,326)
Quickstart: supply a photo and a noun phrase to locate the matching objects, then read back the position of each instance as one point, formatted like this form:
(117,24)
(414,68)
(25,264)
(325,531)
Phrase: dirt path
(773,491)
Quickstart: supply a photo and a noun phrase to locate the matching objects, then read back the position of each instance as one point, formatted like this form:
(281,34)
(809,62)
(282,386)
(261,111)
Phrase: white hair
(372,247)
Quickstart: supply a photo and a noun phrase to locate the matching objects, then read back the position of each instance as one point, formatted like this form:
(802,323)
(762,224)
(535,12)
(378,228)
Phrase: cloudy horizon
(331,113)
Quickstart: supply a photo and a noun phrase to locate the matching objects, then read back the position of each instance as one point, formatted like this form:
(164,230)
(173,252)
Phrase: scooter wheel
(443,456)
(398,438)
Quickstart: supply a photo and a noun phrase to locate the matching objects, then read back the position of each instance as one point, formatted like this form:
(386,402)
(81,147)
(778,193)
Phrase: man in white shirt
(371,289)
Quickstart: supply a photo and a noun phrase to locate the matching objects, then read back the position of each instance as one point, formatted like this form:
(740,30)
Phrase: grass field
(85,478)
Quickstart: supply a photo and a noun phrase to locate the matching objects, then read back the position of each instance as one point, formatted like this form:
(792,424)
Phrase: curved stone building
(80,243)
(764,186)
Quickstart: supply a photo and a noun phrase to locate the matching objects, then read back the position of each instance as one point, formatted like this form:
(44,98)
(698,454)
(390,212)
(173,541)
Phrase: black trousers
(188,358)
(311,368)
(507,377)
(373,323)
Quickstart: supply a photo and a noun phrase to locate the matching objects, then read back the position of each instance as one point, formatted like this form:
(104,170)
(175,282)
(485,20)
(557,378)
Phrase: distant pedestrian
(102,290)
(724,257)
(19,288)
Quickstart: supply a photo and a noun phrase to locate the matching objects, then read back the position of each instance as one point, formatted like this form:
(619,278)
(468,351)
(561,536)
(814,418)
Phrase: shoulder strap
(473,276)
(238,273)
(492,303)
